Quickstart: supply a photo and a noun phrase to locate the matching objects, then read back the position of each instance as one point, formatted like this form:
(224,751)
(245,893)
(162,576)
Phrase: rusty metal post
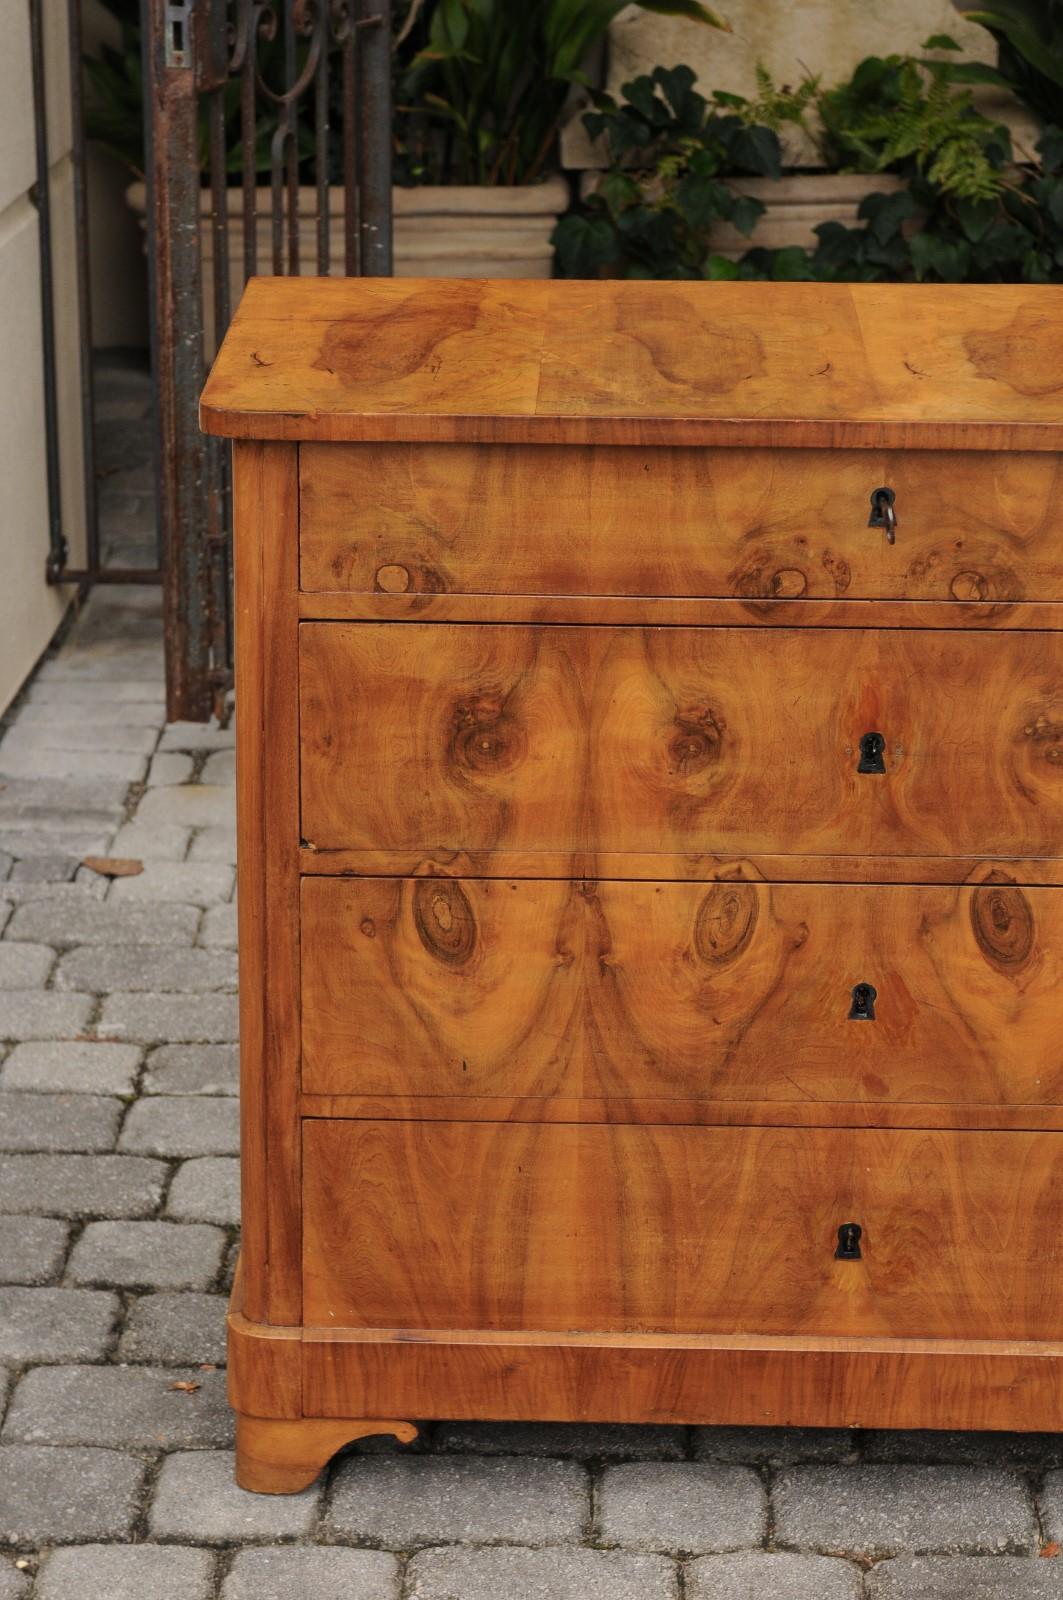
(177,349)
(195,51)
(373,143)
(58,548)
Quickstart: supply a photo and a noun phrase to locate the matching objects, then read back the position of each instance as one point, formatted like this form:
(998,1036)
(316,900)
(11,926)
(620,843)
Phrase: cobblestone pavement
(119,1202)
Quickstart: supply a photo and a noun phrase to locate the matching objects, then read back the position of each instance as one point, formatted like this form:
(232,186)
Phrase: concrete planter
(473,232)
(440,232)
(794,207)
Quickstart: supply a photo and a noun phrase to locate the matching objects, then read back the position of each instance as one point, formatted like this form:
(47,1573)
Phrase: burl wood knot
(726,921)
(396,578)
(485,737)
(768,574)
(393,579)
(698,739)
(445,921)
(1048,735)
(1003,924)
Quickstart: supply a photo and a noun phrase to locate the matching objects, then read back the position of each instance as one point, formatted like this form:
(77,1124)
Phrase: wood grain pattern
(874,366)
(796,1382)
(266,508)
(685,1230)
(732,990)
(730,741)
(265,1376)
(266,500)
(249,472)
(756,524)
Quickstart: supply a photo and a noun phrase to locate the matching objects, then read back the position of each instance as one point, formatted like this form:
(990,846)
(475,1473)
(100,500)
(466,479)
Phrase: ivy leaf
(756,264)
(836,248)
(948,258)
(721,269)
(1001,246)
(757,149)
(641,93)
(701,200)
(868,77)
(976,217)
(884,213)
(745,213)
(791,265)
(584,245)
(707,161)
(617,191)
(677,85)
(651,240)
(1054,203)
(940,41)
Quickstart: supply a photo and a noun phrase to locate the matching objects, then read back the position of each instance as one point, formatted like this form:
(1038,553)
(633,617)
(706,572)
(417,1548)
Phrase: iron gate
(293,98)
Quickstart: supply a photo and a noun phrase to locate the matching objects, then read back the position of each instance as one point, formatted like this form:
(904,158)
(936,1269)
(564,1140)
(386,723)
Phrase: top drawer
(743,523)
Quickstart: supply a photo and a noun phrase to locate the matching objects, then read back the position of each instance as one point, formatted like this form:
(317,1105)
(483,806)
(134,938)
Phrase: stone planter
(440,232)
(794,207)
(474,232)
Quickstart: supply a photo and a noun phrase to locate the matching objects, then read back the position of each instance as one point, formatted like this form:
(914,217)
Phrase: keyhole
(882,513)
(862,1009)
(872,747)
(848,1242)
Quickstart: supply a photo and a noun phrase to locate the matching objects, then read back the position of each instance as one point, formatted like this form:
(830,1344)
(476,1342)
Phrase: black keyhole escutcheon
(872,748)
(848,1242)
(863,1006)
(883,514)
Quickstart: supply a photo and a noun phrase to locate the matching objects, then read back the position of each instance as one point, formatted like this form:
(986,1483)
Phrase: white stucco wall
(29,610)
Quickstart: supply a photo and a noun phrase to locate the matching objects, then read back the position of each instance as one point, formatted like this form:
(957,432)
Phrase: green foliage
(965,213)
(897,113)
(925,235)
(774,107)
(497,74)
(653,211)
(113,110)
(1029,35)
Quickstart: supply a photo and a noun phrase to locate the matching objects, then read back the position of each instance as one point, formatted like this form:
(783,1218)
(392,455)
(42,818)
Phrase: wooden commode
(650,771)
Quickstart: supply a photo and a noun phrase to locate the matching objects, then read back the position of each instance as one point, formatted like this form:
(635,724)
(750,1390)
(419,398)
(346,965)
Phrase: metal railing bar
(58,550)
(84,289)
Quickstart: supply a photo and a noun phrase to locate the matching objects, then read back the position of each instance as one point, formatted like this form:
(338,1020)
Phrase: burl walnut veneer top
(786,364)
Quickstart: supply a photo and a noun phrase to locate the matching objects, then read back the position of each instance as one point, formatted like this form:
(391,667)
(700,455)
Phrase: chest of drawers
(650,774)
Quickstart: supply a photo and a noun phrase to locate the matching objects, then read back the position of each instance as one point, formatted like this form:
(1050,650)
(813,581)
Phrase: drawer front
(692,1230)
(752,524)
(419,736)
(721,991)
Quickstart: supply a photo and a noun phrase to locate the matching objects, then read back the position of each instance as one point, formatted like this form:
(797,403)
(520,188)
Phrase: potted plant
(669,188)
(487,94)
(479,108)
(896,121)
